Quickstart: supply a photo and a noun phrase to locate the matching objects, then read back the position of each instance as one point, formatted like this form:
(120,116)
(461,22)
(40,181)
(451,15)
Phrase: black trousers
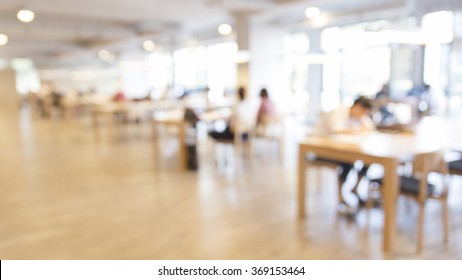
(345,168)
(226,134)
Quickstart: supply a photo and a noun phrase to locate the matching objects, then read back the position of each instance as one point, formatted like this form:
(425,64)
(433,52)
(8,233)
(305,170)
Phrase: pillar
(242,26)
(315,74)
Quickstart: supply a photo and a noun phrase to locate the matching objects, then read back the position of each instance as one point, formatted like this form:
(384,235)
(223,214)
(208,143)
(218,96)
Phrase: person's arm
(335,122)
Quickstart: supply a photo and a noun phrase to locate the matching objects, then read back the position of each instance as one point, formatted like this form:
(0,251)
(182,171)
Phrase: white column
(265,47)
(267,69)
(315,74)
(242,39)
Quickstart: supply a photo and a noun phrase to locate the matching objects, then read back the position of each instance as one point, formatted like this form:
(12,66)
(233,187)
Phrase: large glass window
(190,70)
(213,67)
(296,47)
(297,61)
(438,29)
(159,73)
(357,62)
(27,77)
(221,68)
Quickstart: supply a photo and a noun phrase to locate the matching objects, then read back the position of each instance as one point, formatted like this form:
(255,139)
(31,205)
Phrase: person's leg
(345,169)
(361,174)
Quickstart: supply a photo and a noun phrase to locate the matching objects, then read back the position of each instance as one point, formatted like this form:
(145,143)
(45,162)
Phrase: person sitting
(267,108)
(242,114)
(346,119)
(381,100)
(119,97)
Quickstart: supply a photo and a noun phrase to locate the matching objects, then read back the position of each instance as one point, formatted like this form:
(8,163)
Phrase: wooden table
(175,118)
(381,148)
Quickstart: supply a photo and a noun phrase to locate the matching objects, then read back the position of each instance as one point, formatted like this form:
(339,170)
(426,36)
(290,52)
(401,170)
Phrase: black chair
(417,187)
(455,167)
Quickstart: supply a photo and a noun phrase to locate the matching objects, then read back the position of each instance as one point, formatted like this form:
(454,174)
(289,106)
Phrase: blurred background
(96,161)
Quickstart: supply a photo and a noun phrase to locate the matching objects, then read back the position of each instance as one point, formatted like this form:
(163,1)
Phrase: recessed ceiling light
(225,29)
(320,21)
(149,46)
(26,15)
(3,39)
(312,12)
(104,55)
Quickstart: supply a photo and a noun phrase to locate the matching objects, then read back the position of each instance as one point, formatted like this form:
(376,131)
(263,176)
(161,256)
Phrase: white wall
(267,64)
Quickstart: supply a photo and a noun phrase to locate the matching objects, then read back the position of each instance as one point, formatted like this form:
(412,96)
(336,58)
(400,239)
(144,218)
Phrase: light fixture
(149,45)
(320,21)
(104,55)
(312,12)
(26,15)
(3,39)
(225,29)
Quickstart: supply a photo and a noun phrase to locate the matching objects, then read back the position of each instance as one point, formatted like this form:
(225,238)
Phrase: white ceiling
(70,31)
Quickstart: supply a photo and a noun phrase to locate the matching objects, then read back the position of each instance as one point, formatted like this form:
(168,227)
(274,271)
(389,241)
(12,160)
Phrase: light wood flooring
(67,195)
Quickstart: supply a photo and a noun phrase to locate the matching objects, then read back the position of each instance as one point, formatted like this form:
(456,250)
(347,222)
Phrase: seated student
(119,97)
(267,107)
(345,119)
(241,114)
(382,99)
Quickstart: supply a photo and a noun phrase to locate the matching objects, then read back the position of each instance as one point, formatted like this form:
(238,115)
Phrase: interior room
(231,129)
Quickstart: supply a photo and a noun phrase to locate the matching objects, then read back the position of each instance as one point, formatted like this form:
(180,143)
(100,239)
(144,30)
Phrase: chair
(418,188)
(319,164)
(455,167)
(242,141)
(271,129)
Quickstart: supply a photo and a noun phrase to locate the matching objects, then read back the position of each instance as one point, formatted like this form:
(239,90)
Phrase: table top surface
(429,135)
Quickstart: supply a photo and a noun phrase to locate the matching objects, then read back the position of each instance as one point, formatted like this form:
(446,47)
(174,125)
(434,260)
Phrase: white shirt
(243,115)
(339,120)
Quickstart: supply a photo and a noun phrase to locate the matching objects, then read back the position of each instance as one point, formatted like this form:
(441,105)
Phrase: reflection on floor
(67,195)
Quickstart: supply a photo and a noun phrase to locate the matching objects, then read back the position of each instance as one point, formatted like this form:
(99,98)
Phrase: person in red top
(119,96)
(267,107)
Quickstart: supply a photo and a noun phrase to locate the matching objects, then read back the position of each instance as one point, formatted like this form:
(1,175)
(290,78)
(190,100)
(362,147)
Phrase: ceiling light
(225,29)
(312,12)
(3,39)
(320,21)
(104,55)
(26,15)
(149,46)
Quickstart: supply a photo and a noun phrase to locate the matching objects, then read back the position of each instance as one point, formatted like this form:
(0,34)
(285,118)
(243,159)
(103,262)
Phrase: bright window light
(438,27)
(3,39)
(26,15)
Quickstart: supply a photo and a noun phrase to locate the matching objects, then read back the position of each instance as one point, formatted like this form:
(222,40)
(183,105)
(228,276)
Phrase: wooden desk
(381,148)
(139,109)
(215,115)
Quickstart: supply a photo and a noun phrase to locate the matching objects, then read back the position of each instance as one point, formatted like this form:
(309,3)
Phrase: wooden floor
(67,195)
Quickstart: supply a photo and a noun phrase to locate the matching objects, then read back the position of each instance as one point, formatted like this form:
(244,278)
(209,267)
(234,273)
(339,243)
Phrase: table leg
(390,186)
(155,138)
(182,150)
(301,183)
